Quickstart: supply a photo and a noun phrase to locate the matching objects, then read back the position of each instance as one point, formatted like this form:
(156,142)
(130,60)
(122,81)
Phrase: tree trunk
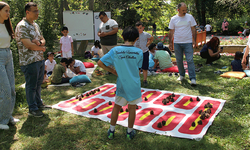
(203,12)
(60,13)
(197,4)
(91,4)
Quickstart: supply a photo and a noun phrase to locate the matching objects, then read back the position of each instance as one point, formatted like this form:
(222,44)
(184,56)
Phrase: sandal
(99,73)
(97,70)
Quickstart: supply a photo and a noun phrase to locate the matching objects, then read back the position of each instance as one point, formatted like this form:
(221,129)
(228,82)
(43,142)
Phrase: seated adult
(210,51)
(58,72)
(77,66)
(162,58)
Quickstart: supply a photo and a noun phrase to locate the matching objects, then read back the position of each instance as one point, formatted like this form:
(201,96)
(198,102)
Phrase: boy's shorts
(145,61)
(123,102)
(67,54)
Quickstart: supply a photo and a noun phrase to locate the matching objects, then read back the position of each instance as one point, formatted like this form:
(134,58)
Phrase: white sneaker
(193,82)
(153,73)
(180,78)
(149,73)
(13,121)
(4,127)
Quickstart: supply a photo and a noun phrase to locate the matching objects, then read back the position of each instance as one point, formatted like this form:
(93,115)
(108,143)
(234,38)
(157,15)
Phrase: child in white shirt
(77,66)
(66,44)
(95,49)
(50,63)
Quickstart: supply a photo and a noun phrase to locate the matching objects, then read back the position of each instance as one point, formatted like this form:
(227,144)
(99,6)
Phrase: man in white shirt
(182,26)
(208,28)
(107,32)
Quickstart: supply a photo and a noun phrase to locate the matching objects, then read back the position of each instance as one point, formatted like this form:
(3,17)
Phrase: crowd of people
(125,61)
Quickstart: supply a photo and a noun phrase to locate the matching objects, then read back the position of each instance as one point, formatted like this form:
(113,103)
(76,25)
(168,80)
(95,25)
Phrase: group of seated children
(57,72)
(160,57)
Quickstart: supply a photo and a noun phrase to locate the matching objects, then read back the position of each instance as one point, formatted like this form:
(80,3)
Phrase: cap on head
(245,21)
(160,45)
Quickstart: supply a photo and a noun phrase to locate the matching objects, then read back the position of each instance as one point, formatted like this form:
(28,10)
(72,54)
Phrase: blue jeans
(33,73)
(7,86)
(187,49)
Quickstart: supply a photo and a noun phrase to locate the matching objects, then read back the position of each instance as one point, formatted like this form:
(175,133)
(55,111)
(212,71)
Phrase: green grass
(62,130)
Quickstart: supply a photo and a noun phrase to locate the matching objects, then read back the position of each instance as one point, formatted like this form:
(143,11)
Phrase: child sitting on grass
(127,59)
(45,80)
(95,49)
(59,71)
(77,66)
(236,63)
(50,63)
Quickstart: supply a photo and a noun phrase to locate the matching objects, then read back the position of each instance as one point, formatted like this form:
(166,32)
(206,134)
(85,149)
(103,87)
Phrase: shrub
(163,39)
(234,41)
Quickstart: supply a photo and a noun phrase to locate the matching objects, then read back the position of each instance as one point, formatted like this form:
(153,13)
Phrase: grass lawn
(62,130)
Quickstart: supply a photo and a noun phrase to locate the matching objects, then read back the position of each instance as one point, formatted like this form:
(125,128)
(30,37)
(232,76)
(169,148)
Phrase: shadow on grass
(35,127)
(84,133)
(7,137)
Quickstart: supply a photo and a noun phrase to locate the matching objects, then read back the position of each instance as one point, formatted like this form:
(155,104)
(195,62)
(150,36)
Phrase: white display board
(97,22)
(80,24)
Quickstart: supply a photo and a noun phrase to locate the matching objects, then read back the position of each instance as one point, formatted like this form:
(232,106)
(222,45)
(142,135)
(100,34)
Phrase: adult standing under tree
(154,29)
(182,26)
(107,32)
(208,28)
(30,44)
(7,86)
(224,27)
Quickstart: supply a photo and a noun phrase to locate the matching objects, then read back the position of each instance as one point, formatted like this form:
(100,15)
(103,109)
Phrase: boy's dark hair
(70,60)
(238,55)
(138,23)
(130,34)
(64,60)
(151,46)
(97,43)
(45,71)
(50,53)
(102,13)
(65,28)
(29,4)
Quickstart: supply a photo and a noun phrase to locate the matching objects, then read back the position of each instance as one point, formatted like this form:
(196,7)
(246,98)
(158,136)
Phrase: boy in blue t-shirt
(127,59)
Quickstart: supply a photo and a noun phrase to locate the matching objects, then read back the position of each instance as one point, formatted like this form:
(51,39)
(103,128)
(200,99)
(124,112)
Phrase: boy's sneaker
(111,134)
(13,121)
(153,73)
(36,113)
(131,135)
(145,83)
(4,127)
(180,78)
(193,82)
